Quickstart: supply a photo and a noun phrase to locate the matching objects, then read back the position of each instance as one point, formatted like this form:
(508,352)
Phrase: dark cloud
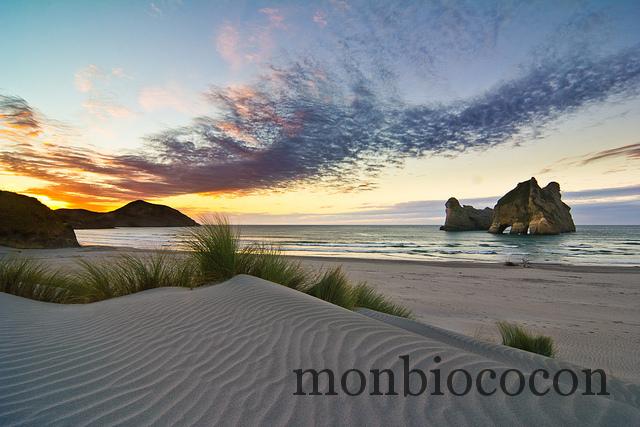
(631,151)
(17,118)
(297,124)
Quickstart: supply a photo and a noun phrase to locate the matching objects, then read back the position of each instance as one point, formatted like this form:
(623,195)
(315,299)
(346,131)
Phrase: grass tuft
(334,287)
(31,279)
(216,255)
(217,251)
(131,274)
(366,297)
(269,263)
(516,336)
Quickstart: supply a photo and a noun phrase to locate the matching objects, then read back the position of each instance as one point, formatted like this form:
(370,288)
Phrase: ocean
(591,244)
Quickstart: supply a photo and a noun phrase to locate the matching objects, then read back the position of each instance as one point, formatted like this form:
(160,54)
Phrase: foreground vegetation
(216,255)
(516,336)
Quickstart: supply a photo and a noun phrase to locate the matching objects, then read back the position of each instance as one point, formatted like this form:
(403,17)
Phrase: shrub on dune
(516,336)
(31,279)
(364,296)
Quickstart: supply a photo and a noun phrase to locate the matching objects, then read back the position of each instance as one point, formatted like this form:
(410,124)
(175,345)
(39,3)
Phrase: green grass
(516,336)
(365,296)
(95,281)
(31,279)
(333,286)
(216,255)
(130,274)
(217,251)
(269,263)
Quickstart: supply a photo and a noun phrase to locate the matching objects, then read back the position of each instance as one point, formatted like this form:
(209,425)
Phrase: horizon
(325,113)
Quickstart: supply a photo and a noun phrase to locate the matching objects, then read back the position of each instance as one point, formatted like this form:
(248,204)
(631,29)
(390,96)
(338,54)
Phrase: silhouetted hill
(26,223)
(135,214)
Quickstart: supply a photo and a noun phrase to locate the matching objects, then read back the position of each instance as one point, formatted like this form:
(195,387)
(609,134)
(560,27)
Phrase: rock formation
(134,214)
(27,223)
(466,218)
(533,210)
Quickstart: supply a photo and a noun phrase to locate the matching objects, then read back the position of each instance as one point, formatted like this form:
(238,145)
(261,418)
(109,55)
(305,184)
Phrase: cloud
(156,9)
(17,119)
(631,151)
(338,119)
(625,152)
(276,18)
(315,129)
(104,109)
(95,82)
(89,78)
(320,18)
(249,42)
(305,123)
(171,96)
(85,77)
(227,44)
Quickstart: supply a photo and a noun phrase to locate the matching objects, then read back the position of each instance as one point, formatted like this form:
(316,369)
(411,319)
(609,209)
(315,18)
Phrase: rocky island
(135,214)
(26,223)
(466,218)
(527,209)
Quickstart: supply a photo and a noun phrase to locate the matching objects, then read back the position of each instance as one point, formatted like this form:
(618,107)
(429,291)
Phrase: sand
(593,313)
(225,355)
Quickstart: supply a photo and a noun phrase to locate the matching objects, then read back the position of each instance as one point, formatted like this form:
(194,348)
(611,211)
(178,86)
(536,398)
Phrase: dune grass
(333,286)
(130,274)
(95,281)
(269,263)
(516,336)
(217,251)
(364,296)
(216,255)
(31,279)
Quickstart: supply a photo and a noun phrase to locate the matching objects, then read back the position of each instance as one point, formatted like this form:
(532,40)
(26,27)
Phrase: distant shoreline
(587,268)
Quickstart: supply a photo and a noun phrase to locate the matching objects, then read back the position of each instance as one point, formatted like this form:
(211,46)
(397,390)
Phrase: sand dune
(225,354)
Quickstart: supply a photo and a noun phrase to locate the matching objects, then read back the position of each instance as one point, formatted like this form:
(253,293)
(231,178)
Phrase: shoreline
(587,268)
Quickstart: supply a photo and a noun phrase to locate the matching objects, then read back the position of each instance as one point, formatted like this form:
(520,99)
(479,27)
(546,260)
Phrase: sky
(337,111)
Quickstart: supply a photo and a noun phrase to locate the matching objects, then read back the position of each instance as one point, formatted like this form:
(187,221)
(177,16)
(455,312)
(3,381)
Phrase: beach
(237,353)
(592,312)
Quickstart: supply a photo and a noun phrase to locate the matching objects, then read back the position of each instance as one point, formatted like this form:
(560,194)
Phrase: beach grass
(364,296)
(31,279)
(217,251)
(269,263)
(514,335)
(216,255)
(130,274)
(333,286)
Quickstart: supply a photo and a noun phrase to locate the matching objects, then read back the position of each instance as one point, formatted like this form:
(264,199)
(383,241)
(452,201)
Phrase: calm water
(612,245)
